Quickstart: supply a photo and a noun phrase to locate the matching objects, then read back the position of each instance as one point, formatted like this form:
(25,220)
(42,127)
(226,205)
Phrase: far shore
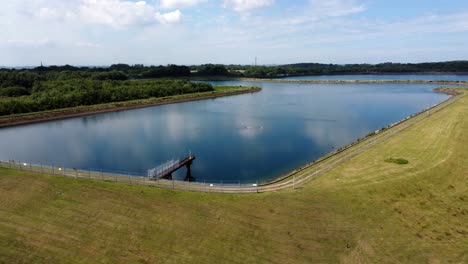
(38,117)
(350,81)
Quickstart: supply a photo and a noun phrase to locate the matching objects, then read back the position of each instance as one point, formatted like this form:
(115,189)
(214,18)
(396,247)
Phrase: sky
(161,32)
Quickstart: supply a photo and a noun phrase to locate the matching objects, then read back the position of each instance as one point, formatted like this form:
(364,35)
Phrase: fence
(293,180)
(129,178)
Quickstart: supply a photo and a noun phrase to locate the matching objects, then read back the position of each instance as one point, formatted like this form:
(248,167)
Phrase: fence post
(53,172)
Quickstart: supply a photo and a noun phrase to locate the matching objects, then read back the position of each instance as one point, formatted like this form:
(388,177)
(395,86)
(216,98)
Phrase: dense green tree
(14,91)
(213,70)
(58,94)
(112,75)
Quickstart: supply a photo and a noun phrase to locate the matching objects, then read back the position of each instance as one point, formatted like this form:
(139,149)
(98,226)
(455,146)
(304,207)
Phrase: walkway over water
(165,170)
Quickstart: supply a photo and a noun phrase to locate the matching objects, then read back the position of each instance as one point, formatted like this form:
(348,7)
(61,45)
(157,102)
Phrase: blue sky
(153,32)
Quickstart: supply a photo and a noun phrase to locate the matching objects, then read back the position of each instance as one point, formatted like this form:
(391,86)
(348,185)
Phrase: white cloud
(169,18)
(22,43)
(114,13)
(336,8)
(119,13)
(88,45)
(171,4)
(47,13)
(52,12)
(35,30)
(246,5)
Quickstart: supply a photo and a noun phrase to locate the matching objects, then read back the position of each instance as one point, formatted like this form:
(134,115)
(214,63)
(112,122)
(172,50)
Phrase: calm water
(443,77)
(240,138)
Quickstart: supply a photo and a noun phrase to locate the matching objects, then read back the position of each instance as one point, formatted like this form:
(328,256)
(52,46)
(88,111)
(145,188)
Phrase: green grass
(399,161)
(364,211)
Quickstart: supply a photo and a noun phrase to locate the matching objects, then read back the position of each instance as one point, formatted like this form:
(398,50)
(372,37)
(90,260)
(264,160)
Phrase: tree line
(333,69)
(57,94)
(26,78)
(44,88)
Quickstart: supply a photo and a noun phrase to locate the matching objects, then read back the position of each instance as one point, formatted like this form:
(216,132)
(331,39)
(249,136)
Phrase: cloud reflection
(236,137)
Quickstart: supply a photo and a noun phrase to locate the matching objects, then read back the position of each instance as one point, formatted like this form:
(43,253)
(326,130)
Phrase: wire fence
(128,178)
(293,180)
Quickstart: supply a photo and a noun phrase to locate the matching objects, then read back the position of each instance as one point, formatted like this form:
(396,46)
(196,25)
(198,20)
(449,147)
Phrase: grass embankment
(364,211)
(219,91)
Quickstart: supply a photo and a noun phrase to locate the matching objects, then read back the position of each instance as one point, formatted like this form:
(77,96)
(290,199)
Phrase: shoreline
(60,114)
(448,91)
(276,80)
(294,179)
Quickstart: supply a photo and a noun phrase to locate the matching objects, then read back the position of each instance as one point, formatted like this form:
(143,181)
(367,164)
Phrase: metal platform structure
(165,170)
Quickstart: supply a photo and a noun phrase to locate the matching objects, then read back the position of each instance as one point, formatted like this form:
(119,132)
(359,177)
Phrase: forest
(300,69)
(33,93)
(45,88)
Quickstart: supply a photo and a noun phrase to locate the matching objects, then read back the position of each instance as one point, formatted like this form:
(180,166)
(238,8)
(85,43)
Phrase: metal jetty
(165,171)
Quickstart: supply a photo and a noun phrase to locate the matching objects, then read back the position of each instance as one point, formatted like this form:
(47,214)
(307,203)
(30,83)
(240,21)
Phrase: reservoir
(367,77)
(244,138)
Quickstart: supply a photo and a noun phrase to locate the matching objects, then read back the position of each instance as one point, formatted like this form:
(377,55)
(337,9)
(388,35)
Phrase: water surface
(246,138)
(367,77)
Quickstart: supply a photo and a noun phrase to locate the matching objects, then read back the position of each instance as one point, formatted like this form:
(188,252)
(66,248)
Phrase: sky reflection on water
(245,138)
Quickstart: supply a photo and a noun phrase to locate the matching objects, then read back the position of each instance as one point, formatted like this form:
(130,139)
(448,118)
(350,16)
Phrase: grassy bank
(21,119)
(364,211)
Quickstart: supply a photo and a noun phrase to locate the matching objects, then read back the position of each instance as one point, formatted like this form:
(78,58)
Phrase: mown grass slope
(364,211)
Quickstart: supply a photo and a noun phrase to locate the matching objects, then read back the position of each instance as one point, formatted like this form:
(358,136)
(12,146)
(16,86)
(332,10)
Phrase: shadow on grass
(397,161)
